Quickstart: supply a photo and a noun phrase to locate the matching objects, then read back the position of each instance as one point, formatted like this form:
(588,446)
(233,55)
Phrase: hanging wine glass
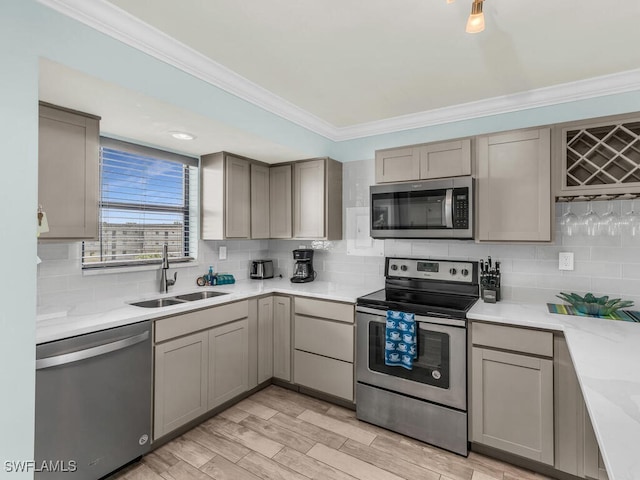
(609,223)
(590,221)
(569,223)
(630,221)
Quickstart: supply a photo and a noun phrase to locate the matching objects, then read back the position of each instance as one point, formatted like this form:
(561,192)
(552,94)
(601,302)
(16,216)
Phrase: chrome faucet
(165,282)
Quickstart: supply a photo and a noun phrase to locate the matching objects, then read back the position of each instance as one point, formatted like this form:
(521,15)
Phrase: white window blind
(148,198)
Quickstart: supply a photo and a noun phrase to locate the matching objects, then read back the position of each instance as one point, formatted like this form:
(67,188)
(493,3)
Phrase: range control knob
(453,271)
(393,266)
(464,272)
(404,268)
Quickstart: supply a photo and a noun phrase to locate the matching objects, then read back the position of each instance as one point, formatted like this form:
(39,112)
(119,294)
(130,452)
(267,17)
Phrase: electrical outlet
(565,261)
(222,253)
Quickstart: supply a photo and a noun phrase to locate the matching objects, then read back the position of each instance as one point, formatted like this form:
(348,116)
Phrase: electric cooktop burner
(441,288)
(420,303)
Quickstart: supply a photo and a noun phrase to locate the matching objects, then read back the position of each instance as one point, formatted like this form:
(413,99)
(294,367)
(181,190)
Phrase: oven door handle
(448,208)
(449,322)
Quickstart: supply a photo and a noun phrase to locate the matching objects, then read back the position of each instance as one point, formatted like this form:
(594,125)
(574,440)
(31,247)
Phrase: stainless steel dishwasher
(93,402)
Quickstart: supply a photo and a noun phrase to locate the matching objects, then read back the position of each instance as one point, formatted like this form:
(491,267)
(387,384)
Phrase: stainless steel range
(428,402)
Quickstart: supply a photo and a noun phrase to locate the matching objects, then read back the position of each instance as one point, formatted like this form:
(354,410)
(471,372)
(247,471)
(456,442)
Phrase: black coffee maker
(303,269)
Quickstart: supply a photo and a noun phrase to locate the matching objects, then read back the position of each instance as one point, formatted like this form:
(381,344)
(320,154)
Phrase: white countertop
(55,324)
(606,358)
(605,353)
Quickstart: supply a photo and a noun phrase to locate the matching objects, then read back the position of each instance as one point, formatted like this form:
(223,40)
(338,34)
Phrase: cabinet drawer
(535,342)
(343,312)
(324,374)
(184,324)
(324,337)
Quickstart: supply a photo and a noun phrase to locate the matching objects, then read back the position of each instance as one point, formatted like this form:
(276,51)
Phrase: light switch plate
(222,253)
(565,261)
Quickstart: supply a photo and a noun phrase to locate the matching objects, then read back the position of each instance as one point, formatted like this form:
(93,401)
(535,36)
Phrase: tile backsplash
(62,282)
(603,265)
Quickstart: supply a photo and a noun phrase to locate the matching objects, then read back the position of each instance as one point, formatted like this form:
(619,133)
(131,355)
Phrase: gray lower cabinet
(282,338)
(512,391)
(181,375)
(265,339)
(201,361)
(514,186)
(228,362)
(68,172)
(576,448)
(324,346)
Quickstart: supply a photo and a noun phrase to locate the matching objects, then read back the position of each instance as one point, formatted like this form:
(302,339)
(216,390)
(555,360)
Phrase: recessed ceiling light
(182,135)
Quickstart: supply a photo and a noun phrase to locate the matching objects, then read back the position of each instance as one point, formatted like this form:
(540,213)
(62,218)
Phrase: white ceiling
(350,68)
(355,61)
(131,115)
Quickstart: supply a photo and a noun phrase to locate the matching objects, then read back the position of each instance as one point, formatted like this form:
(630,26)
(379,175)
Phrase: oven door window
(432,365)
(417,210)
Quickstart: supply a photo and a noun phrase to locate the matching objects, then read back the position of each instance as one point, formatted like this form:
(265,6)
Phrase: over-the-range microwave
(441,208)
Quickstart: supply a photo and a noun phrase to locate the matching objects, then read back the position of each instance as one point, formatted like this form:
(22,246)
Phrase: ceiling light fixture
(182,135)
(475,23)
(450,1)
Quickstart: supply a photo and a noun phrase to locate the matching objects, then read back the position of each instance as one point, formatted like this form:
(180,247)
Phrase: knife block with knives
(490,281)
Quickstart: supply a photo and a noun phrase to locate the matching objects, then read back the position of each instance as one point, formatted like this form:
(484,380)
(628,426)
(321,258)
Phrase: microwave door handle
(448,208)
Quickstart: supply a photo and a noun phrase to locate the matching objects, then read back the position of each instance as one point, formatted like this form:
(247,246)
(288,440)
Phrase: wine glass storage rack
(600,158)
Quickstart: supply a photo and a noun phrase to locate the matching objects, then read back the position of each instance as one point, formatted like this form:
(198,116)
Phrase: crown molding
(119,24)
(543,97)
(115,22)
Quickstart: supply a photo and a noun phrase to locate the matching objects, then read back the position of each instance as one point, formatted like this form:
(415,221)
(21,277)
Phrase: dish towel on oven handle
(401,348)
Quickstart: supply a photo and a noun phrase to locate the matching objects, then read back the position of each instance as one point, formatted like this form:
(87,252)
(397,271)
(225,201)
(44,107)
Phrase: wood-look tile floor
(278,434)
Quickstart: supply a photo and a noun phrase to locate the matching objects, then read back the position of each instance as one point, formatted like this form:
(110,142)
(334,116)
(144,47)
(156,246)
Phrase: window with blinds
(148,198)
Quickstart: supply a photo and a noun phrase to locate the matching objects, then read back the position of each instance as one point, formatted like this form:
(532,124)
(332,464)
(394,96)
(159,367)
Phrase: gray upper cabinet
(422,162)
(397,165)
(513,184)
(260,199)
(68,172)
(243,198)
(280,201)
(225,197)
(445,159)
(237,198)
(317,199)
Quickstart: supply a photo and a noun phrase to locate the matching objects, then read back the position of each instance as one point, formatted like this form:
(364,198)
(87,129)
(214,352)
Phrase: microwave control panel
(461,208)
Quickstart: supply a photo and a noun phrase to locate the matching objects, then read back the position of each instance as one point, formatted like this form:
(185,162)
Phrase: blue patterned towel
(400,342)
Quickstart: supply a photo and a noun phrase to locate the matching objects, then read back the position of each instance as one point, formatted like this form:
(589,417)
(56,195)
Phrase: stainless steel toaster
(261,269)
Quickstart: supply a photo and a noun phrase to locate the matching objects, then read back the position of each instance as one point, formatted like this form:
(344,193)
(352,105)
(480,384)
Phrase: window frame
(189,244)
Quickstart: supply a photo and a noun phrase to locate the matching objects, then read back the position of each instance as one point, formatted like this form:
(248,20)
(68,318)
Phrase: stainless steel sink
(187,297)
(158,302)
(190,297)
